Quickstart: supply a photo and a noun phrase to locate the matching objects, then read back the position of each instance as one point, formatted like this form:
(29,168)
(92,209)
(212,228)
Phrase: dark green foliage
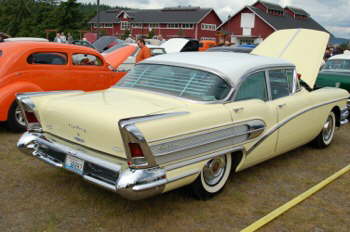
(33,17)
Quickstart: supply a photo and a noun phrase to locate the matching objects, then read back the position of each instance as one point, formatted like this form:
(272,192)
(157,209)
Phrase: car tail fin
(303,47)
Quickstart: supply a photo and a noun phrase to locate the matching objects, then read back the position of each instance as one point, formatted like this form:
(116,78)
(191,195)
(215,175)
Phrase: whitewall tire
(325,137)
(213,177)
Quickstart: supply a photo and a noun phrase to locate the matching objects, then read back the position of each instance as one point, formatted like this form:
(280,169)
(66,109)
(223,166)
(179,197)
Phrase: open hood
(174,45)
(117,57)
(304,48)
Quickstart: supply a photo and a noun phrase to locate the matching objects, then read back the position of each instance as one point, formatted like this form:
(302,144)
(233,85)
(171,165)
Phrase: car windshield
(177,81)
(337,64)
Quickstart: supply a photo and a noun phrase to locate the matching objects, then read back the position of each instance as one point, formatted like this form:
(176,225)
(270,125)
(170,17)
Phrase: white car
(26,39)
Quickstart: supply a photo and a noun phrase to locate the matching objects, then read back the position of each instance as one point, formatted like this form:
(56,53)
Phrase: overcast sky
(332,14)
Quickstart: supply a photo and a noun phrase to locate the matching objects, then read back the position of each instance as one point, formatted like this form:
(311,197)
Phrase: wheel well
(336,111)
(236,157)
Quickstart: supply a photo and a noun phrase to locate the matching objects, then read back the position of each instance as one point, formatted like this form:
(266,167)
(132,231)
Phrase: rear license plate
(74,164)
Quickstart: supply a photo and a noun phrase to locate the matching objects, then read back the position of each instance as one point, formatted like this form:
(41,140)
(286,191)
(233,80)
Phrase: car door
(90,71)
(47,69)
(293,105)
(251,102)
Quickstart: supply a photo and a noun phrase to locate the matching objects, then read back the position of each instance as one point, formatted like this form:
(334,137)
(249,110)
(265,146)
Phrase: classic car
(42,66)
(105,42)
(16,39)
(111,55)
(180,45)
(204,45)
(238,49)
(84,43)
(187,118)
(335,73)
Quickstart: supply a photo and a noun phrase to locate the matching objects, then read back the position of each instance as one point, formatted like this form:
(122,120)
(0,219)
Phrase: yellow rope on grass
(282,209)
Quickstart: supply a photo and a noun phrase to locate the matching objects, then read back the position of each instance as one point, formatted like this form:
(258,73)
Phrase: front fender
(8,95)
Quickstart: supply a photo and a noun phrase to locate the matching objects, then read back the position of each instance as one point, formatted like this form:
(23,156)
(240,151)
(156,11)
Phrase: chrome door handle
(282,105)
(236,110)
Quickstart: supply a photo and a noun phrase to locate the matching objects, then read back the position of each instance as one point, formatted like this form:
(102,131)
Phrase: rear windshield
(177,81)
(337,64)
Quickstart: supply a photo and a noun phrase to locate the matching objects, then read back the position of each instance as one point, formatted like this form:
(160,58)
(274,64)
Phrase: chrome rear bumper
(101,169)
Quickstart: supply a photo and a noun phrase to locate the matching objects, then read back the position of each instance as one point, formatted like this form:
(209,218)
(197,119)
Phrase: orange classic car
(34,67)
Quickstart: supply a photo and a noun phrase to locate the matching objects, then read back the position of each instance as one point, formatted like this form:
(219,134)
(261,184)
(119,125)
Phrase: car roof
(341,56)
(230,66)
(20,45)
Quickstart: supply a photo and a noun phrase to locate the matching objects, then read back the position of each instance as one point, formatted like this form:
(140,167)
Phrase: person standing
(58,38)
(63,38)
(70,38)
(145,51)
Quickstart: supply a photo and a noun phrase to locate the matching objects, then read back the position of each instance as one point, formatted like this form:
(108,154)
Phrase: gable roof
(298,11)
(165,15)
(287,21)
(107,16)
(280,22)
(271,6)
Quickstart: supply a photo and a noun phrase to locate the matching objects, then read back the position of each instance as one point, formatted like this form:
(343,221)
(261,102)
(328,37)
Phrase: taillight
(137,157)
(31,118)
(135,150)
(28,111)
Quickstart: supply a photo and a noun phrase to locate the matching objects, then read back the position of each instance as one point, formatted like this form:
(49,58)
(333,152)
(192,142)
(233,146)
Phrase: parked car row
(184,118)
(42,66)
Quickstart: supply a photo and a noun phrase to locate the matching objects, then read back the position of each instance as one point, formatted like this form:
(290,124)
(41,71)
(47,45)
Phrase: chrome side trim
(285,121)
(247,130)
(202,158)
(131,134)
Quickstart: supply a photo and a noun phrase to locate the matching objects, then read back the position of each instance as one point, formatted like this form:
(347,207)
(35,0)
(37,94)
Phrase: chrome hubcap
(214,170)
(19,116)
(328,129)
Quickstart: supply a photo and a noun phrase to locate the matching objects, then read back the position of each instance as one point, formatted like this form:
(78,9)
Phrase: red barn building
(254,23)
(191,22)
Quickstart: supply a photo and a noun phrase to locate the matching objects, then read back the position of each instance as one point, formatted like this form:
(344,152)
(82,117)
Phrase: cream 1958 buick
(189,118)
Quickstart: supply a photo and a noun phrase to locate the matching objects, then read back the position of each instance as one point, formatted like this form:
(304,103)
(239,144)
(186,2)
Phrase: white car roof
(230,66)
(26,39)
(174,45)
(342,56)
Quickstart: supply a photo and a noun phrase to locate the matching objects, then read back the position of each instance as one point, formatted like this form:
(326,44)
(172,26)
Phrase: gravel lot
(36,197)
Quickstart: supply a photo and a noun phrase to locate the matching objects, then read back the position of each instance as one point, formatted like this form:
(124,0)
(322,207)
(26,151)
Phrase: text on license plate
(74,164)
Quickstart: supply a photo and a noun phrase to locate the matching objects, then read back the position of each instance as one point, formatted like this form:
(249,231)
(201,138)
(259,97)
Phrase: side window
(52,58)
(281,82)
(253,87)
(86,59)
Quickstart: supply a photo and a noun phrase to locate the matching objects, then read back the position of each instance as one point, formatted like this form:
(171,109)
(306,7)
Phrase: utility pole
(98,19)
